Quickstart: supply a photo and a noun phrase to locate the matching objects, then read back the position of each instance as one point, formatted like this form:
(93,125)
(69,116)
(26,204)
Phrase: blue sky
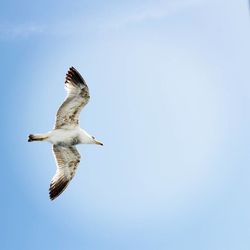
(170,97)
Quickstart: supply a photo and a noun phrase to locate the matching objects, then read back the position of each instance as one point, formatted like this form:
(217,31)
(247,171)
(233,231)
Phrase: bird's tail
(37,138)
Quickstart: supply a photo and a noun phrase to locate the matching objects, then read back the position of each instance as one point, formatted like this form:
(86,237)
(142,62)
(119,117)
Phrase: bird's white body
(69,137)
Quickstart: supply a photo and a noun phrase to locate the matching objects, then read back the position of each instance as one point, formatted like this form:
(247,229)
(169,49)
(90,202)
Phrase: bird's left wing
(78,96)
(67,160)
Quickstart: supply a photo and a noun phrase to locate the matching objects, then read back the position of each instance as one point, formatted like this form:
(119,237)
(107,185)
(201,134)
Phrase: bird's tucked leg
(37,138)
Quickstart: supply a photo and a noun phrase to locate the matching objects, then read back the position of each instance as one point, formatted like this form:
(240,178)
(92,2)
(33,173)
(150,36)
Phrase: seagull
(67,133)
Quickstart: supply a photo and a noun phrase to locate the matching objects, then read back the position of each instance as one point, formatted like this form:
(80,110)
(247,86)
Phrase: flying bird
(67,133)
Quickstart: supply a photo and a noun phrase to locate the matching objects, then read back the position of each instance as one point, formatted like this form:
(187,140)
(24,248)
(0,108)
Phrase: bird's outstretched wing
(67,160)
(78,96)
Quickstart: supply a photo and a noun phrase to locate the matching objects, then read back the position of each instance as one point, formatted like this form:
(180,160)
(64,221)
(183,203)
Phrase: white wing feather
(78,96)
(67,159)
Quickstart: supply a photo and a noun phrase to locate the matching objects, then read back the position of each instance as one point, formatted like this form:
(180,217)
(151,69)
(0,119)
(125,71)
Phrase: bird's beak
(98,143)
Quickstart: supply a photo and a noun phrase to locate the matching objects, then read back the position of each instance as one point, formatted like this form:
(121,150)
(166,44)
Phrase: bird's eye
(93,137)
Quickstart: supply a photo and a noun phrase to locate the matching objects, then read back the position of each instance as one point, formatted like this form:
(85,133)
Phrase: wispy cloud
(157,10)
(130,14)
(13,31)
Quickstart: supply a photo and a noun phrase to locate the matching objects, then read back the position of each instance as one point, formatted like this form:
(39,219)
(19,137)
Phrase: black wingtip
(56,188)
(74,76)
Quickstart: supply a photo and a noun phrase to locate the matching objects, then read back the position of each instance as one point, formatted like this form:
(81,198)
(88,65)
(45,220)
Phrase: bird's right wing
(67,160)
(78,96)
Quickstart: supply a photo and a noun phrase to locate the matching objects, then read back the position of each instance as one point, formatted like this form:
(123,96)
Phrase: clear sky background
(170,97)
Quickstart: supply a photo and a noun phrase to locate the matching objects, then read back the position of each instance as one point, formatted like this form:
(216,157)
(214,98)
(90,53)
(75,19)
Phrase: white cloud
(118,18)
(12,31)
(157,10)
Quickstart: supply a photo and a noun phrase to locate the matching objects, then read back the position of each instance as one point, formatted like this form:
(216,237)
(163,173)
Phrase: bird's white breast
(65,137)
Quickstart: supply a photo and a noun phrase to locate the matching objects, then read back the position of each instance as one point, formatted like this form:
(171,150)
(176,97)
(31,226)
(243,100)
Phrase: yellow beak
(98,143)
